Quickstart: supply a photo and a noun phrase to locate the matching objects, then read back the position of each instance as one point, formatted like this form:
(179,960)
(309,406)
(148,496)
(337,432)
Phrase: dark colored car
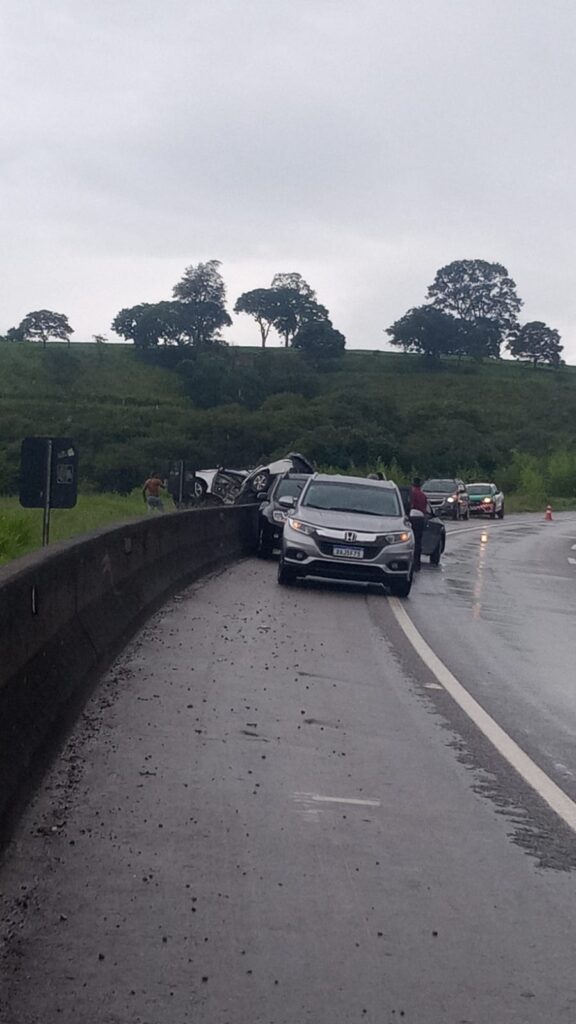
(434,536)
(272,515)
(447,497)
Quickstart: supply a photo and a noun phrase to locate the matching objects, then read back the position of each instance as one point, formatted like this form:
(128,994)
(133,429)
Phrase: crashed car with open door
(190,487)
(257,484)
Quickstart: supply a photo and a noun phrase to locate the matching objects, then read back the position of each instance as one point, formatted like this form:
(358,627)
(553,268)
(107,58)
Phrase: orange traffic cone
(548,514)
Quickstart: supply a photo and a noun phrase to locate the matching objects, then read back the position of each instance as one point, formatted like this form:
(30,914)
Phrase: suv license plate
(348,552)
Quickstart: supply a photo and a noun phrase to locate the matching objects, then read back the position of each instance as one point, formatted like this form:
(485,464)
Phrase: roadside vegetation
(238,407)
(21,529)
(447,404)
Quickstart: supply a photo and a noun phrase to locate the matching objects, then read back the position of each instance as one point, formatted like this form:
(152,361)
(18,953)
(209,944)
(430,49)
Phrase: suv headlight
(300,527)
(486,501)
(397,538)
(451,498)
(279,517)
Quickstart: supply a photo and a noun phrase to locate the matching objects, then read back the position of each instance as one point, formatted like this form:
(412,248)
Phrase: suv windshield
(289,488)
(479,489)
(443,486)
(344,497)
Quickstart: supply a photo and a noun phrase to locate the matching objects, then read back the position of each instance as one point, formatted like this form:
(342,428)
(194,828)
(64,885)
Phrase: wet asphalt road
(269,815)
(502,616)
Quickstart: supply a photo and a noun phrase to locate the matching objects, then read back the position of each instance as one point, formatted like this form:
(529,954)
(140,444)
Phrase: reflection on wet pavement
(500,615)
(472,581)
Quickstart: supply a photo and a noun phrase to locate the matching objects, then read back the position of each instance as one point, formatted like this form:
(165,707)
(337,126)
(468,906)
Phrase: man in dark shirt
(419,509)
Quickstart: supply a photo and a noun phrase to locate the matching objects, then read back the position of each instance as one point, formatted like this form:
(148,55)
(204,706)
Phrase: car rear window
(344,497)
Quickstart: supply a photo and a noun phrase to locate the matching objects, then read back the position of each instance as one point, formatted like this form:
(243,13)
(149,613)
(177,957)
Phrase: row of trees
(197,313)
(472,310)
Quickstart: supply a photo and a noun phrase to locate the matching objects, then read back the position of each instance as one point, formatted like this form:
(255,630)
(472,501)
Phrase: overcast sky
(363,143)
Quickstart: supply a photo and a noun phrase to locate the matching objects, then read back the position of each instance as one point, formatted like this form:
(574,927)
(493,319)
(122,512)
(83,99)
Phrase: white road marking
(537,779)
(456,531)
(572,561)
(512,524)
(316,798)
(574,547)
(433,686)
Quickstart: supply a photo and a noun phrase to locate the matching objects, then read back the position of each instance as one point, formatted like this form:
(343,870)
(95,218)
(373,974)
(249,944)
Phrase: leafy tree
(201,283)
(203,293)
(296,305)
(171,323)
(293,310)
(426,330)
(262,304)
(319,338)
(15,334)
(149,324)
(295,282)
(537,342)
(475,290)
(478,339)
(43,324)
(200,323)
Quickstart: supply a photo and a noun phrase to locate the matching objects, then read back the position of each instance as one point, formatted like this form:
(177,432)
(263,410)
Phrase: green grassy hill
(240,406)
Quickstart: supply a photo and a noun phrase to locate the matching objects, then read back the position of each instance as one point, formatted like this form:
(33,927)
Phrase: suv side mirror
(262,495)
(287,501)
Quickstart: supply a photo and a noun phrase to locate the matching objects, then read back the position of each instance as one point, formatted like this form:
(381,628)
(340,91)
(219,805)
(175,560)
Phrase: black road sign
(60,485)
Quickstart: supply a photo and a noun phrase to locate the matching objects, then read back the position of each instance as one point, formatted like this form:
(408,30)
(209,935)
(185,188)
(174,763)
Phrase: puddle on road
(472,582)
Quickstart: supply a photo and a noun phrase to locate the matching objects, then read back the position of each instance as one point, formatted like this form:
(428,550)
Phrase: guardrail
(66,611)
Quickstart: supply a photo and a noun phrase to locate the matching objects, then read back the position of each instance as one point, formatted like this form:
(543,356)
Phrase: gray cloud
(364,144)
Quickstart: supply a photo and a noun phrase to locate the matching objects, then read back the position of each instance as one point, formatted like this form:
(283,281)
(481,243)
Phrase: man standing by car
(419,508)
(151,492)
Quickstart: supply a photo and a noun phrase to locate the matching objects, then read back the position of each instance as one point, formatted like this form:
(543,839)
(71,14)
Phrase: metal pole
(47,494)
(181,483)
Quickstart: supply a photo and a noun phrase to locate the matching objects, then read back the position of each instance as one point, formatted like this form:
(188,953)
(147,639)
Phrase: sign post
(47,493)
(182,483)
(48,476)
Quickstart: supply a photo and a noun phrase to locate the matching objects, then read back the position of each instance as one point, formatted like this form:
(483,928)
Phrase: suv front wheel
(401,587)
(286,576)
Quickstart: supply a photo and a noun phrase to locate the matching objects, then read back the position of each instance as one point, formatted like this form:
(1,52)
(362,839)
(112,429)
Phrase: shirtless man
(151,493)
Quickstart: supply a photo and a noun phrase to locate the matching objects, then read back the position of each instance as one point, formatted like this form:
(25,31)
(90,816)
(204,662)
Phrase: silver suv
(348,528)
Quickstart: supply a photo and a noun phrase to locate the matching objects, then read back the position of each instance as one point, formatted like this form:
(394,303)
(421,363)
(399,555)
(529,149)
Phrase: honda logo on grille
(350,536)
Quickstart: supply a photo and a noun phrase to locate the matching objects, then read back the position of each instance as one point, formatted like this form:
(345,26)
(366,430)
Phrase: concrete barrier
(65,612)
